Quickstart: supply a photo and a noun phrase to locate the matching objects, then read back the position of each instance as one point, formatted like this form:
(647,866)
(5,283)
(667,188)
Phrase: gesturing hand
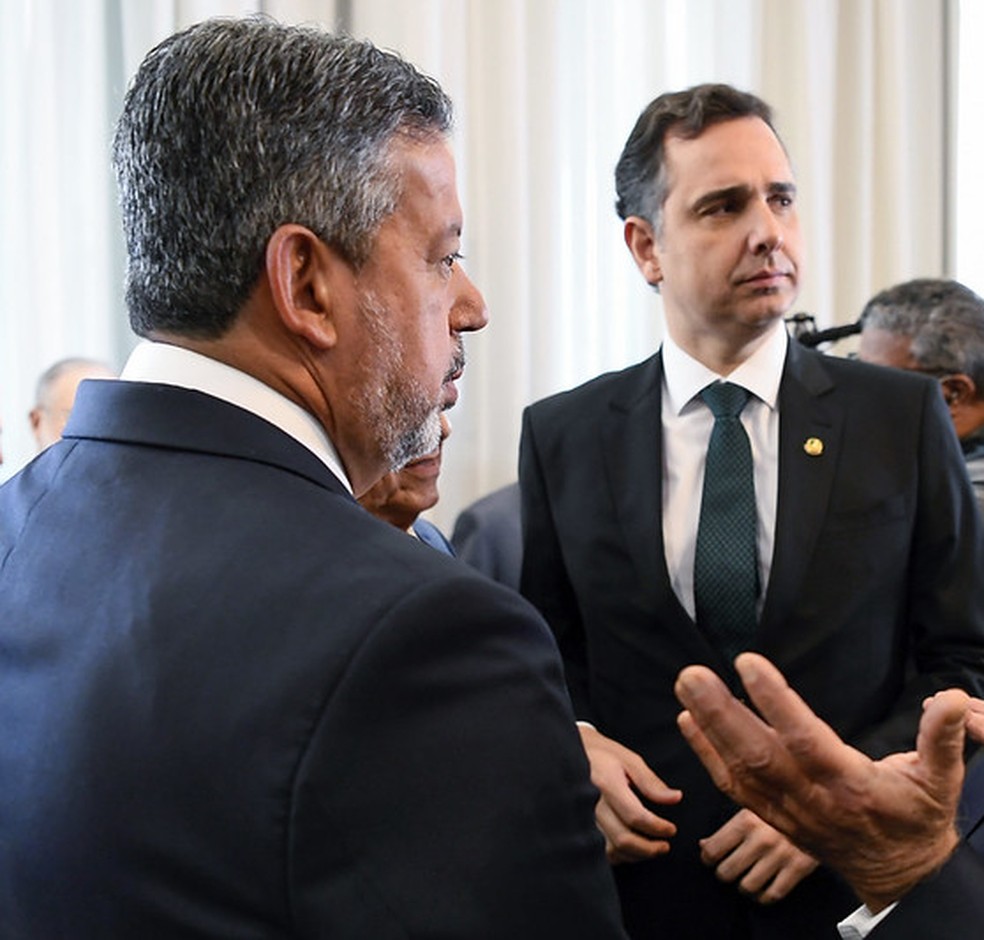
(884,825)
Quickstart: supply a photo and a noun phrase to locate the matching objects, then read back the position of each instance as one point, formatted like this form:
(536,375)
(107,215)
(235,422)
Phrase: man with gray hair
(935,326)
(246,707)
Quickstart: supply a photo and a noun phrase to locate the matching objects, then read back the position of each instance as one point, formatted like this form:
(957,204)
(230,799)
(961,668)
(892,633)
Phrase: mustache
(457,363)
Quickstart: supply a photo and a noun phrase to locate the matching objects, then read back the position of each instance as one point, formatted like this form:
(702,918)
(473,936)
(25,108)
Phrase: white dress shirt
(687,423)
(174,365)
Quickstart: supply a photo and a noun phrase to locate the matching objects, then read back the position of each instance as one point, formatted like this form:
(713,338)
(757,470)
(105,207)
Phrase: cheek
(794,243)
(425,357)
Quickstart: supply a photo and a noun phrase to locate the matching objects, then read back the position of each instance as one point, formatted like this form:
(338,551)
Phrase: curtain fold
(546,92)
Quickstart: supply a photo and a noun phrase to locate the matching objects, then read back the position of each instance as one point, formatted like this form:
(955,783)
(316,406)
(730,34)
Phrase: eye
(783,200)
(722,207)
(449,260)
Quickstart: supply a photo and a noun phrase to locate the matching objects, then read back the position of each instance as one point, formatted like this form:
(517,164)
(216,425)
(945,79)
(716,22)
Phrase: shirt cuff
(862,922)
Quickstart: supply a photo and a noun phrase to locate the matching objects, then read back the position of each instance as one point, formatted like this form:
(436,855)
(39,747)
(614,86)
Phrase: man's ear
(641,239)
(302,272)
(958,389)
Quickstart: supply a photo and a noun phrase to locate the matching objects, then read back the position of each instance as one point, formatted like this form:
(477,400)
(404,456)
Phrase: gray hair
(641,181)
(233,128)
(943,319)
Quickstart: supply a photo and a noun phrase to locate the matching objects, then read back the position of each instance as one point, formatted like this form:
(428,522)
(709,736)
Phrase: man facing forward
(864,547)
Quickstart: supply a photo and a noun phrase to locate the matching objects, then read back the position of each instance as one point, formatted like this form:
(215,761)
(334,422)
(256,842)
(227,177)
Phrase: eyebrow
(741,192)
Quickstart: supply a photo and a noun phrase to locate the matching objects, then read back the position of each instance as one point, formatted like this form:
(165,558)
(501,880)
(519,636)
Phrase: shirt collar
(684,377)
(175,365)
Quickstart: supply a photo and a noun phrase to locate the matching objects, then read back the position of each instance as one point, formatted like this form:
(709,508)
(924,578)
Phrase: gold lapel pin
(813,446)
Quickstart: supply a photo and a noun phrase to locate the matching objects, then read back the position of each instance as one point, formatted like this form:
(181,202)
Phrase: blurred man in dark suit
(488,535)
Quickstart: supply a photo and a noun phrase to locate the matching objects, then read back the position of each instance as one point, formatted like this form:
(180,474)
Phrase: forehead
(740,152)
(885,348)
(428,204)
(64,387)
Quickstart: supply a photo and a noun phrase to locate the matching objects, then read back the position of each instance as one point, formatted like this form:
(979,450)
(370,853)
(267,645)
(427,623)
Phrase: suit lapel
(632,453)
(810,428)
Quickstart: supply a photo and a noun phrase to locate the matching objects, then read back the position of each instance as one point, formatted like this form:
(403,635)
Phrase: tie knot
(725,399)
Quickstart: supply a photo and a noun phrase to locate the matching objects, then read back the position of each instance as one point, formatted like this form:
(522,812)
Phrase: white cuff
(862,922)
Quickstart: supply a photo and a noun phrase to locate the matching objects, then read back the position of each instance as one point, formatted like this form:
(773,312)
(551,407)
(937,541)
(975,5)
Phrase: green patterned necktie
(726,560)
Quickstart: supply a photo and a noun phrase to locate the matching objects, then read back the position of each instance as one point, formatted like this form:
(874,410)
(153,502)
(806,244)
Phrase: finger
(760,875)
(735,864)
(975,720)
(735,745)
(817,749)
(616,769)
(787,878)
(754,844)
(633,849)
(621,810)
(623,844)
(726,839)
(706,753)
(646,781)
(653,788)
(631,814)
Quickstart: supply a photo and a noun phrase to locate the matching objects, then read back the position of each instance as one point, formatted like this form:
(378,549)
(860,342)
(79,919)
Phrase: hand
(747,847)
(884,825)
(632,832)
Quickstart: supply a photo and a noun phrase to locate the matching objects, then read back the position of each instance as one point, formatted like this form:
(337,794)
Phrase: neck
(722,354)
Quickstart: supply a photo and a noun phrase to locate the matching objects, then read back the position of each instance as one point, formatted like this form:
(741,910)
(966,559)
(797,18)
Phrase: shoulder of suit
(854,373)
(601,388)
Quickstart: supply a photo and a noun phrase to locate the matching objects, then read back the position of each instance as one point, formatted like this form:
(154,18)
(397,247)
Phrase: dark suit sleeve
(445,792)
(950,904)
(543,578)
(469,544)
(487,536)
(945,603)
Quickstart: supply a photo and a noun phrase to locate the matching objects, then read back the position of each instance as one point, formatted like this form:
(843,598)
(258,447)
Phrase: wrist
(889,881)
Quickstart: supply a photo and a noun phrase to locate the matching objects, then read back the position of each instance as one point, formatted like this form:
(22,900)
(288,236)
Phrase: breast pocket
(849,520)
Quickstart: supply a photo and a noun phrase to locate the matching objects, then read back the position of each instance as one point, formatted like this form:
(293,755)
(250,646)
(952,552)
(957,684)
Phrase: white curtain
(546,92)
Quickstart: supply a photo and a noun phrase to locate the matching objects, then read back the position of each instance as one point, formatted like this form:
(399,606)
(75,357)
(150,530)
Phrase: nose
(468,310)
(767,232)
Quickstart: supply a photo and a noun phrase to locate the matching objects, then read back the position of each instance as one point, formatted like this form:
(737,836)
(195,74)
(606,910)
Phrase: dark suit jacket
(949,906)
(874,597)
(236,705)
(488,535)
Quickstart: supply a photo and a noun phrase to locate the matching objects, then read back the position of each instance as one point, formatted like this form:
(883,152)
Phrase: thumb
(942,728)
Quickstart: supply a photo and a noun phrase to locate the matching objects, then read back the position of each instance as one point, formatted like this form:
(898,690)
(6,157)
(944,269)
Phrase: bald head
(56,395)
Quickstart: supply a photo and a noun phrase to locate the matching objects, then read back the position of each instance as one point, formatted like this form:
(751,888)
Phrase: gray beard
(405,421)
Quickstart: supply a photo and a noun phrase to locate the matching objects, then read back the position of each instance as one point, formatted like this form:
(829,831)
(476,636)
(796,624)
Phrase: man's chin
(423,440)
